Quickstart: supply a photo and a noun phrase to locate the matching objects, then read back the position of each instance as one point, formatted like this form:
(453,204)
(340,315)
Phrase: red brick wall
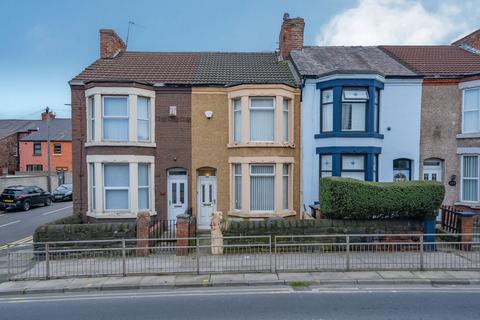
(291,35)
(8,145)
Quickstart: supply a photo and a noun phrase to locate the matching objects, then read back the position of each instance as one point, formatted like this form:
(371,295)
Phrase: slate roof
(325,60)
(190,68)
(11,126)
(60,130)
(441,60)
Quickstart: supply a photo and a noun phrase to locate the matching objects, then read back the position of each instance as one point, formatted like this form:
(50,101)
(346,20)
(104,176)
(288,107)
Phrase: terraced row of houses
(250,134)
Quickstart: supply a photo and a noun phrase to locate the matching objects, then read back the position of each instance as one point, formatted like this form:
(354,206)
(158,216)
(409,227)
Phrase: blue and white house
(360,116)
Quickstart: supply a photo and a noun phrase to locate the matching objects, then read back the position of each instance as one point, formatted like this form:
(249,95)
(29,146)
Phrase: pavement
(298,280)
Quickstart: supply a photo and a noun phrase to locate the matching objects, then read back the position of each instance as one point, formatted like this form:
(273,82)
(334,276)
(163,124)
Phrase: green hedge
(345,198)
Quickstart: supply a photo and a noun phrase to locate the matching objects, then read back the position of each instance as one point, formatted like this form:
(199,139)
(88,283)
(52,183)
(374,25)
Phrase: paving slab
(192,280)
(295,276)
(329,275)
(16,287)
(112,283)
(471,275)
(228,279)
(85,284)
(397,275)
(49,286)
(157,281)
(432,274)
(363,275)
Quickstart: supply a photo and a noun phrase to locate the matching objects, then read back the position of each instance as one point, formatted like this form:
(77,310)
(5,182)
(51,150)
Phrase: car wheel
(48,201)
(26,205)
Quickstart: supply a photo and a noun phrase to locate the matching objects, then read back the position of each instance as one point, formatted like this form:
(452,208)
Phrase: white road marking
(50,212)
(10,223)
(25,240)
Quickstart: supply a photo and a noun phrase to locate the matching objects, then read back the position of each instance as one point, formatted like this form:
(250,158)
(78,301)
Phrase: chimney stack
(48,115)
(470,42)
(110,44)
(291,35)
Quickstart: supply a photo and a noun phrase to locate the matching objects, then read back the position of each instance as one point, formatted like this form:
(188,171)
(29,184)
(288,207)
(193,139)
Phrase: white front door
(432,170)
(177,195)
(207,199)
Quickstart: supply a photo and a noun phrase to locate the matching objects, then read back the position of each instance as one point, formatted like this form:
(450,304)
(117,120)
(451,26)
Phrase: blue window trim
(337,153)
(337,85)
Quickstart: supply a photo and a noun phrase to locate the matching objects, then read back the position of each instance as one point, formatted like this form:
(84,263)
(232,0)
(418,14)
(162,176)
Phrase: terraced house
(164,132)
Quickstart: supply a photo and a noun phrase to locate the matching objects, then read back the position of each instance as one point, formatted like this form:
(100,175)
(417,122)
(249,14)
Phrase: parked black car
(24,197)
(62,193)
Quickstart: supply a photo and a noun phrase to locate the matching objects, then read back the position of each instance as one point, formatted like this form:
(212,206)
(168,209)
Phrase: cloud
(373,22)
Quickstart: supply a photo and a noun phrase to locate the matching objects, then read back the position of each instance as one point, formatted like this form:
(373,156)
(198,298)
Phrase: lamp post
(49,163)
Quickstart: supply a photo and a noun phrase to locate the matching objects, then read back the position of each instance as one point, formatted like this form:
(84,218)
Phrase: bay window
(285,186)
(353,166)
(91,117)
(262,187)
(115,118)
(285,121)
(471,110)
(237,186)
(117,186)
(470,178)
(354,108)
(376,111)
(237,120)
(326,165)
(143,186)
(93,191)
(262,119)
(143,119)
(327,111)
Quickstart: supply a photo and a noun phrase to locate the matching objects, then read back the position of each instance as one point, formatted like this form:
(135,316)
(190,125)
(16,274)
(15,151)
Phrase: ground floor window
(326,165)
(353,166)
(470,178)
(34,167)
(262,187)
(359,165)
(237,186)
(402,170)
(116,186)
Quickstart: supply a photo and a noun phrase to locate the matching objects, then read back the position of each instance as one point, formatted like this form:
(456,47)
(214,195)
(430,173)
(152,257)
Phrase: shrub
(345,198)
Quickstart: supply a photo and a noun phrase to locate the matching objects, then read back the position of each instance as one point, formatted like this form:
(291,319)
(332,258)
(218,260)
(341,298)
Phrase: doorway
(177,193)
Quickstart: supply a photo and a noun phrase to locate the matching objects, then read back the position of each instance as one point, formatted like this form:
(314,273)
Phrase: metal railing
(243,254)
(450,219)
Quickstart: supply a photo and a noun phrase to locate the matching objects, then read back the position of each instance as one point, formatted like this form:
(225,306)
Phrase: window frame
(93,187)
(105,188)
(286,116)
(37,167)
(148,120)
(91,117)
(321,169)
(251,165)
(363,155)
(273,108)
(410,169)
(143,187)
(35,151)
(55,145)
(322,104)
(475,110)
(463,178)
(286,188)
(365,102)
(236,112)
(127,117)
(376,111)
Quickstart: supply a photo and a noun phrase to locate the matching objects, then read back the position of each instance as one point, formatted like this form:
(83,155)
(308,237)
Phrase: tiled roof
(60,130)
(444,60)
(324,60)
(190,68)
(11,126)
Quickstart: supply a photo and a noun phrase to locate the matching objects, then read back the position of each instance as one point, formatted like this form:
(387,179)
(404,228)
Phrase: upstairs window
(57,148)
(115,118)
(91,116)
(262,119)
(37,149)
(376,111)
(471,110)
(143,119)
(354,107)
(327,110)
(237,120)
(285,121)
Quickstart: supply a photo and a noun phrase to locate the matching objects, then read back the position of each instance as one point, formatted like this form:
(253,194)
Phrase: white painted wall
(400,110)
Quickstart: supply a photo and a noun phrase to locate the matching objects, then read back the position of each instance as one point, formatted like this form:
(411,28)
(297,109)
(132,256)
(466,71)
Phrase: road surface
(18,226)
(252,303)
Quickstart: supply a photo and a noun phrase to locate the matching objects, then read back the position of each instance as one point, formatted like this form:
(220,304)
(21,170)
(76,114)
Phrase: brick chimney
(110,44)
(48,115)
(291,35)
(470,42)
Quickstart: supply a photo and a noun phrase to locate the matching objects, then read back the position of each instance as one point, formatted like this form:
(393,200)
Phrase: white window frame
(286,116)
(273,108)
(148,120)
(324,104)
(262,175)
(91,117)
(92,203)
(286,197)
(105,188)
(237,112)
(237,203)
(147,187)
(463,178)
(475,110)
(127,117)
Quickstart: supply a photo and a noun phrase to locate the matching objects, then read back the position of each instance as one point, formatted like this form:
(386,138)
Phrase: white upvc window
(144,186)
(91,116)
(116,184)
(354,109)
(237,186)
(471,110)
(262,119)
(143,119)
(93,202)
(115,118)
(327,110)
(237,120)
(262,187)
(470,178)
(285,186)
(286,121)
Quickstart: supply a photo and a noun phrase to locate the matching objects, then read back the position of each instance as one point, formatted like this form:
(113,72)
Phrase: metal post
(272,267)
(47,262)
(348,252)
(49,162)
(197,253)
(9,273)
(124,259)
(422,267)
(275,255)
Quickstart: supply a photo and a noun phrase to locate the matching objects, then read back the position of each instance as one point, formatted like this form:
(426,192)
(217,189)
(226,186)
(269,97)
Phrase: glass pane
(174,193)
(143,198)
(326,162)
(353,162)
(327,117)
(263,102)
(210,192)
(401,164)
(262,125)
(262,194)
(203,193)
(238,169)
(237,105)
(237,121)
(325,174)
(355,94)
(262,169)
(354,175)
(470,121)
(143,108)
(285,128)
(470,190)
(353,116)
(182,192)
(143,130)
(238,192)
(470,166)
(401,175)
(116,175)
(327,96)
(143,179)
(285,187)
(115,106)
(116,199)
(471,100)
(115,129)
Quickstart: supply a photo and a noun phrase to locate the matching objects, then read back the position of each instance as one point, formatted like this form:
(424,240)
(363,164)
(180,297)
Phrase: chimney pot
(110,44)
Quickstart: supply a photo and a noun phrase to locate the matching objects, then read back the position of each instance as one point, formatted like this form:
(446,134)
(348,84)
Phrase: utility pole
(49,164)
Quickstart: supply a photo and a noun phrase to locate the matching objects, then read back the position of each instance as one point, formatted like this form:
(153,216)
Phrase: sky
(44,44)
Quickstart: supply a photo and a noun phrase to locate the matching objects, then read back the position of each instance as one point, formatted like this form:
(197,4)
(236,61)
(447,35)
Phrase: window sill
(348,135)
(120,144)
(261,145)
(117,215)
(256,214)
(468,135)
(57,154)
(37,155)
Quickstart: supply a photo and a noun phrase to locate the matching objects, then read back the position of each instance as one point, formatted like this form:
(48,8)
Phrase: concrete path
(242,279)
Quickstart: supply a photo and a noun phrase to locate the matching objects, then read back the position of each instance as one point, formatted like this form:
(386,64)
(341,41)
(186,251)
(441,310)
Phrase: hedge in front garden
(345,198)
